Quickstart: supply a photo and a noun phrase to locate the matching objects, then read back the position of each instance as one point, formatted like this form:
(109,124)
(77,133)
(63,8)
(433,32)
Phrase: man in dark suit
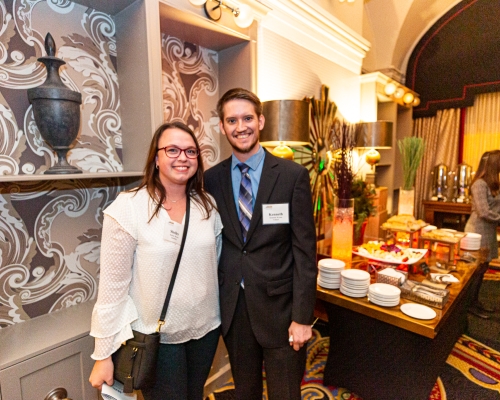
(267,269)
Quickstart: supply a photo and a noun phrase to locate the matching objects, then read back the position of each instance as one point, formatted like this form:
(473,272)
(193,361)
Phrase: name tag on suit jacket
(273,214)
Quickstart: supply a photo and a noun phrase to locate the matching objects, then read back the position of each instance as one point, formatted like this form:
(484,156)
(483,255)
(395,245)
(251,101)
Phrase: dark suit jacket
(277,262)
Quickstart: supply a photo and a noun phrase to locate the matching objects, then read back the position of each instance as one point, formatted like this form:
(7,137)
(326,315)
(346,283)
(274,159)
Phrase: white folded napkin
(392,272)
(445,278)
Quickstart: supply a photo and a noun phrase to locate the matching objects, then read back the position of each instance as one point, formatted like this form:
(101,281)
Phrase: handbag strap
(161,321)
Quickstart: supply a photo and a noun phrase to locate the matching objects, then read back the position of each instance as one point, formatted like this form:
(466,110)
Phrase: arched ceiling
(394,27)
(457,58)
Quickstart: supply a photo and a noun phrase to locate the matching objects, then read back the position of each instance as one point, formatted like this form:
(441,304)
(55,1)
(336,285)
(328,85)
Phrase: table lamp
(287,124)
(372,136)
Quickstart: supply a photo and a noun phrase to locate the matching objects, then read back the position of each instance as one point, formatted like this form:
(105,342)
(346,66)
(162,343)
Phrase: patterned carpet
(469,358)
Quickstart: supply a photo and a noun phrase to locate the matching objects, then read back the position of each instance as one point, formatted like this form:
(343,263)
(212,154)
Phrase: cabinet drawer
(67,366)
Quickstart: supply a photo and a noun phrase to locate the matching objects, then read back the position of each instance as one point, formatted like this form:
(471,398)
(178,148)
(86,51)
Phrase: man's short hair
(239,94)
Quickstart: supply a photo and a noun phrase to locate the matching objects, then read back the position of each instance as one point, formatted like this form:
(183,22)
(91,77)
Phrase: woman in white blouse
(137,259)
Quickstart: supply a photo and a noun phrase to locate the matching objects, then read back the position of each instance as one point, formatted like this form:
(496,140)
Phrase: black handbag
(135,361)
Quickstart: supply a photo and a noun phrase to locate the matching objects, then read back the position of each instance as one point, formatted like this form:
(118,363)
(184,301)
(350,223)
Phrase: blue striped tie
(245,200)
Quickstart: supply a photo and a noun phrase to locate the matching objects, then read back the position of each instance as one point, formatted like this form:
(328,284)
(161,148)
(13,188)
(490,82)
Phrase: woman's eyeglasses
(174,151)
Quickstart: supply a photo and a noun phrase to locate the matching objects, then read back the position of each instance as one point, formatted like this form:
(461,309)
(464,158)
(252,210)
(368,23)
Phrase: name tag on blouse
(173,232)
(275,214)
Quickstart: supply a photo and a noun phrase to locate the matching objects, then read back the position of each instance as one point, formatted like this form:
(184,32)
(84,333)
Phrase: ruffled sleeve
(114,310)
(123,211)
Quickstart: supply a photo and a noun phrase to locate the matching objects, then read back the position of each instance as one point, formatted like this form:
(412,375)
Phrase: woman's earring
(157,166)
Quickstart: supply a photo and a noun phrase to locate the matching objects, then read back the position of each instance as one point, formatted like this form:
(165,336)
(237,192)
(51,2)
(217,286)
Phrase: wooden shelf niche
(139,64)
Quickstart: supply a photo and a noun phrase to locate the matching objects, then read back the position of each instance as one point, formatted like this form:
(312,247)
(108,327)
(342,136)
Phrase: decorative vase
(357,239)
(342,232)
(406,201)
(57,110)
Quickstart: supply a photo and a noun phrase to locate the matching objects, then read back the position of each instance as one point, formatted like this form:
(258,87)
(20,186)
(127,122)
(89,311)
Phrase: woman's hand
(102,373)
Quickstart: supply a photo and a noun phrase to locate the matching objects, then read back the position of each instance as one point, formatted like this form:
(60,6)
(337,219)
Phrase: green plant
(412,151)
(363,195)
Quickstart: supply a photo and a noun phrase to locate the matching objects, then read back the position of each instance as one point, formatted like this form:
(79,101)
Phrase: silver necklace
(174,201)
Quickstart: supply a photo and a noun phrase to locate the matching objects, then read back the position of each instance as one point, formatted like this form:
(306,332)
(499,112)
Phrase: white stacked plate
(384,295)
(354,282)
(329,273)
(471,241)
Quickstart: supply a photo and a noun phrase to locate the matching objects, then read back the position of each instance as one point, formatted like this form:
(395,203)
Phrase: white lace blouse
(136,266)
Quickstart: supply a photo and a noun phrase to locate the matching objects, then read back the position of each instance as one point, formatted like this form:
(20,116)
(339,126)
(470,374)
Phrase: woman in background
(137,259)
(485,217)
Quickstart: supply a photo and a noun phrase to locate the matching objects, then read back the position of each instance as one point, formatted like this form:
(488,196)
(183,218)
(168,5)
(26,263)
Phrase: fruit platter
(389,253)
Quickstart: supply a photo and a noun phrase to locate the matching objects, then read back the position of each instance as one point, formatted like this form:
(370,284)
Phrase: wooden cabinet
(446,214)
(48,352)
(373,230)
(66,366)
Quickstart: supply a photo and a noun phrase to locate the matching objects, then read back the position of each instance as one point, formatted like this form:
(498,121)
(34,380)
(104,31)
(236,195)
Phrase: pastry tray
(370,256)
(456,239)
(384,228)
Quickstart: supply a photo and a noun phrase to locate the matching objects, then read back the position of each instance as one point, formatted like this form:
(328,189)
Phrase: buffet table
(380,353)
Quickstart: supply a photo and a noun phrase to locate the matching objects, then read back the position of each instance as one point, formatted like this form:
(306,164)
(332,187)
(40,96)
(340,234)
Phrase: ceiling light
(390,88)
(244,18)
(399,93)
(243,15)
(408,98)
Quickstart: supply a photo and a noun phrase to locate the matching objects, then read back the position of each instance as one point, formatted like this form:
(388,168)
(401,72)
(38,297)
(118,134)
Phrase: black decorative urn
(57,110)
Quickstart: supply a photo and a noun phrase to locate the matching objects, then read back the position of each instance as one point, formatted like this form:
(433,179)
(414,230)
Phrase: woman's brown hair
(151,180)
(489,169)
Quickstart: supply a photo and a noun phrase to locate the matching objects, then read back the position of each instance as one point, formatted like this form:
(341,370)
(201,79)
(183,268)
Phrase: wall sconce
(401,94)
(243,16)
(287,124)
(372,136)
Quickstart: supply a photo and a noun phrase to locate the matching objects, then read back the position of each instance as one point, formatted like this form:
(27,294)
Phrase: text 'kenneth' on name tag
(275,214)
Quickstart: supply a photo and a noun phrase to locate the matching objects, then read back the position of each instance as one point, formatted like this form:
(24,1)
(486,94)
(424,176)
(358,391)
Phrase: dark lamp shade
(285,121)
(376,134)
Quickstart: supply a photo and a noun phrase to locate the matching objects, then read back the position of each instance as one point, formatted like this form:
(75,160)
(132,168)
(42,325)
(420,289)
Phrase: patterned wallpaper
(85,40)
(191,91)
(50,230)
(50,236)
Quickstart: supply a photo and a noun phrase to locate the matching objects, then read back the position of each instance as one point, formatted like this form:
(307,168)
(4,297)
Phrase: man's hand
(300,335)
(102,373)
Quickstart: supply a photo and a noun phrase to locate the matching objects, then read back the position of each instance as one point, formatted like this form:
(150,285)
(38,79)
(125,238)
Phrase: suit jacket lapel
(266,185)
(227,192)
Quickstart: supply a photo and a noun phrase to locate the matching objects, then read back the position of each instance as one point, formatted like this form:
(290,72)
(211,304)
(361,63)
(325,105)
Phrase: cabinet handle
(57,394)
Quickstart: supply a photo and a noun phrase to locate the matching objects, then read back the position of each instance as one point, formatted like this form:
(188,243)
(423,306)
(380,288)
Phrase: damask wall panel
(50,231)
(85,39)
(50,237)
(191,91)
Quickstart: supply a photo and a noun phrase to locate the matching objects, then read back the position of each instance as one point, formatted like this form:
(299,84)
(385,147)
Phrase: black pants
(183,368)
(283,365)
(483,268)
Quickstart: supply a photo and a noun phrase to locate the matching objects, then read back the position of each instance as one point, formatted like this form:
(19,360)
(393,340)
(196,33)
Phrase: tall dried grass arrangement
(343,142)
(412,151)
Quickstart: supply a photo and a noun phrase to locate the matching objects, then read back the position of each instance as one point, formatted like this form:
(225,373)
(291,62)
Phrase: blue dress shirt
(256,163)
